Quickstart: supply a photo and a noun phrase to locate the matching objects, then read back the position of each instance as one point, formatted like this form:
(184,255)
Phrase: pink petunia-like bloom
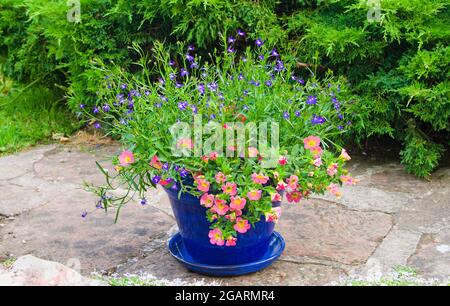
(254,195)
(317,162)
(220,178)
(311,142)
(216,237)
(317,152)
(282,160)
(275,197)
(126,158)
(213,155)
(231,241)
(333,189)
(205,159)
(332,169)
(281,185)
(185,143)
(348,180)
(242,225)
(237,203)
(220,207)
(203,185)
(259,178)
(155,163)
(207,200)
(274,215)
(252,152)
(294,196)
(233,215)
(230,188)
(344,155)
(293,179)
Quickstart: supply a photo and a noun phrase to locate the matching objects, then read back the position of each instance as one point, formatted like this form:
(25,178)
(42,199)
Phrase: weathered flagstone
(325,230)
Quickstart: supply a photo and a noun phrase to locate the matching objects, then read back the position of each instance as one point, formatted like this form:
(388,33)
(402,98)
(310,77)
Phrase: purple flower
(297,113)
(162,81)
(182,105)
(274,53)
(261,57)
(147,93)
(184,172)
(317,120)
(84,214)
(191,48)
(349,122)
(156,179)
(123,86)
(245,92)
(178,85)
(193,65)
(286,115)
(245,108)
(231,40)
(212,86)
(240,77)
(82,106)
(99,204)
(256,83)
(106,108)
(95,110)
(97,125)
(279,66)
(340,127)
(174,187)
(143,201)
(243,58)
(301,81)
(184,72)
(340,116)
(259,42)
(230,50)
(201,88)
(172,76)
(240,33)
(194,109)
(268,83)
(294,78)
(166,167)
(189,58)
(171,63)
(311,100)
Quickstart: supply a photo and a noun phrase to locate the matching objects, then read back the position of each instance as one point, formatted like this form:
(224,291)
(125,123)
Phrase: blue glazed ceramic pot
(194,229)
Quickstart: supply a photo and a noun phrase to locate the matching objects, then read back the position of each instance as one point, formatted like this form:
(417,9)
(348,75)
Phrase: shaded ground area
(389,219)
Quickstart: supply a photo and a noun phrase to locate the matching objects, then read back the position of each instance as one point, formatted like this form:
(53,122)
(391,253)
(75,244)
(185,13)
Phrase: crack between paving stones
(334,265)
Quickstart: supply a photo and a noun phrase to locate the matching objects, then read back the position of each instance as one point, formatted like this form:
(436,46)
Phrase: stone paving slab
(390,218)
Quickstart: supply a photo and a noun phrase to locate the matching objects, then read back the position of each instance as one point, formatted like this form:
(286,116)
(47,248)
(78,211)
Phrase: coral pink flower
(185,143)
(155,163)
(275,197)
(259,178)
(293,179)
(254,195)
(317,152)
(317,162)
(220,178)
(207,200)
(126,158)
(216,237)
(332,169)
(333,189)
(252,152)
(348,180)
(237,203)
(281,185)
(242,225)
(282,160)
(205,159)
(344,155)
(213,156)
(311,142)
(220,207)
(294,196)
(229,188)
(202,185)
(274,215)
(276,175)
(231,241)
(233,215)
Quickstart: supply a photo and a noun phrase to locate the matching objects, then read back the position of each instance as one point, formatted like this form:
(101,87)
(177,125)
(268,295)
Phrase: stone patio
(391,218)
